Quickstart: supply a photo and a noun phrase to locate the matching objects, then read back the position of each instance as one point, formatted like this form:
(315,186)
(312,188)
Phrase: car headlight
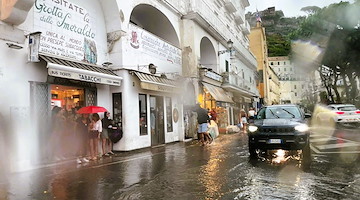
(253,128)
(302,128)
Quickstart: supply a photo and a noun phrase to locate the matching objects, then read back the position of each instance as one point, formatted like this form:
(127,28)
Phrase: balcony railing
(245,27)
(230,6)
(238,82)
(239,17)
(200,11)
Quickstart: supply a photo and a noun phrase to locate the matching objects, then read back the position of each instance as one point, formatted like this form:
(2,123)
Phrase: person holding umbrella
(95,128)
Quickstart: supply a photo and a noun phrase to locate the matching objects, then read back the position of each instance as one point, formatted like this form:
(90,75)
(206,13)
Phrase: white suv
(339,114)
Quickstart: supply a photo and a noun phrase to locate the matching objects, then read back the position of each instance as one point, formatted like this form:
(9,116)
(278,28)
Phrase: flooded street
(221,170)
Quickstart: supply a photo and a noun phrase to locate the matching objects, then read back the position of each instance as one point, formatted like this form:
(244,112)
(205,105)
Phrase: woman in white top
(252,113)
(95,131)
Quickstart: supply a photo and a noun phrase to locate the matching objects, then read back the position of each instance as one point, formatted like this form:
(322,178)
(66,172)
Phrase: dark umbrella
(91,109)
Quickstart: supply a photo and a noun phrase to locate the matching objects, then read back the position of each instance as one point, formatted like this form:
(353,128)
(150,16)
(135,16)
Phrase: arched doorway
(154,21)
(207,54)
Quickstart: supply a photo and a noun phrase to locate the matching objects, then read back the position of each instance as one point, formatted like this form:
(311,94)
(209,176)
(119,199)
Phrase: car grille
(276,130)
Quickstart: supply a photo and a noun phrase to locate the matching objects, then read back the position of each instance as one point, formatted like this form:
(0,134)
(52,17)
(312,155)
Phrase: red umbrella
(91,109)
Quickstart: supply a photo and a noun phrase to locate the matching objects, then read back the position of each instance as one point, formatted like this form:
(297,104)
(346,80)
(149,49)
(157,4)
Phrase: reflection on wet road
(221,170)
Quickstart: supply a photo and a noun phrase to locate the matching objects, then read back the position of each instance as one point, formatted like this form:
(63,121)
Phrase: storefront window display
(220,108)
(67,97)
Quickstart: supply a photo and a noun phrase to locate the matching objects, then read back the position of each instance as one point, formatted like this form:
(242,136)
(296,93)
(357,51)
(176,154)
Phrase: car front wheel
(252,151)
(306,156)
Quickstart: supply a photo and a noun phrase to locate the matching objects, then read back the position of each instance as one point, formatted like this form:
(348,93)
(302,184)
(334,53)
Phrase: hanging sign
(84,77)
(152,45)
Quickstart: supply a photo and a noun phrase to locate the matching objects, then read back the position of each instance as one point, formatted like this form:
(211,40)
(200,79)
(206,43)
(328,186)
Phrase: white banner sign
(66,30)
(83,77)
(149,44)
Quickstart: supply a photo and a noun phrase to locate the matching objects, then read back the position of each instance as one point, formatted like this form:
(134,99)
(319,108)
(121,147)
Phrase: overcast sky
(291,8)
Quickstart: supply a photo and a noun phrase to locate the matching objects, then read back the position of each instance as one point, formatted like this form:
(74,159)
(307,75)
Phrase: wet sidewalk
(52,181)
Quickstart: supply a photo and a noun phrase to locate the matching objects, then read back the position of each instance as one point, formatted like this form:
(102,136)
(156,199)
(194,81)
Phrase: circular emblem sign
(175,115)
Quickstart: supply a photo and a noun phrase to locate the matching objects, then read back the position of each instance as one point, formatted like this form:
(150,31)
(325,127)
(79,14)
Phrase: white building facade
(295,84)
(140,59)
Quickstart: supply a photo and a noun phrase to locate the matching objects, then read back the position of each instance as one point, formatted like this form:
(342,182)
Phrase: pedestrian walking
(243,120)
(251,114)
(203,120)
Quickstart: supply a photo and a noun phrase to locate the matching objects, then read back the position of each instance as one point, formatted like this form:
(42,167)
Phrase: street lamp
(229,45)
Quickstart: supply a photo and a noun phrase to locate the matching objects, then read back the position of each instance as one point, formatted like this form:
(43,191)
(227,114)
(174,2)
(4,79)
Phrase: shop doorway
(117,109)
(157,120)
(67,97)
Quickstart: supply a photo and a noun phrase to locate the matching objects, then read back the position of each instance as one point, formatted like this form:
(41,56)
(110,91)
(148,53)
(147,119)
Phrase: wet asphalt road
(221,170)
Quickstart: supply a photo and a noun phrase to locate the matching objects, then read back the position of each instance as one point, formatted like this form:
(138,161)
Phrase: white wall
(16,74)
(130,104)
(133,59)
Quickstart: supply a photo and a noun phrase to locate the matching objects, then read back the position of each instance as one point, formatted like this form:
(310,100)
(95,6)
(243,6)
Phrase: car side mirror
(307,115)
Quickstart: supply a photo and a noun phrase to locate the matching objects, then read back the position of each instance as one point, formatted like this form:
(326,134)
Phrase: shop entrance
(157,120)
(67,97)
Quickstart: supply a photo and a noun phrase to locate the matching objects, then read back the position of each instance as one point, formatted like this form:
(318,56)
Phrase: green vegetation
(277,28)
(336,30)
(278,45)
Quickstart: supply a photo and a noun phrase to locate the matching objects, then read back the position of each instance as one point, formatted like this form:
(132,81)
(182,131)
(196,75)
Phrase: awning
(156,83)
(247,100)
(217,93)
(80,71)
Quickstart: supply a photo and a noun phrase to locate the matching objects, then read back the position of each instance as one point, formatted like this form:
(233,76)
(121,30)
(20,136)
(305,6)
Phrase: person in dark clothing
(106,142)
(82,132)
(203,119)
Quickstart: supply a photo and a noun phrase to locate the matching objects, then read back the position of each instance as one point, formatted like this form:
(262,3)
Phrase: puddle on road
(264,179)
(218,171)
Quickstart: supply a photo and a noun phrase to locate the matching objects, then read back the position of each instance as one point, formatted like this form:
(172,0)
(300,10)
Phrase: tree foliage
(278,45)
(336,29)
(310,9)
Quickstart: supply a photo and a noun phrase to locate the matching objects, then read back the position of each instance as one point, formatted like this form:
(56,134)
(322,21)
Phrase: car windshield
(347,108)
(279,113)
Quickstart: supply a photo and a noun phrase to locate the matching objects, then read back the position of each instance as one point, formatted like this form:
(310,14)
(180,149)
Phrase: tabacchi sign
(66,30)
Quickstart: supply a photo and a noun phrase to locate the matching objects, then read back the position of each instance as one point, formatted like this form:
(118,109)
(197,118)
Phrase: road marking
(318,146)
(323,139)
(314,149)
(336,146)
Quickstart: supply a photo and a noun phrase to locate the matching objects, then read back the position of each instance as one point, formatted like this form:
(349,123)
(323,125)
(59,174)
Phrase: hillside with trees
(277,28)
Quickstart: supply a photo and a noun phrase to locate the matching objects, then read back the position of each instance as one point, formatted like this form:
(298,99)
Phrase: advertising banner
(151,48)
(66,30)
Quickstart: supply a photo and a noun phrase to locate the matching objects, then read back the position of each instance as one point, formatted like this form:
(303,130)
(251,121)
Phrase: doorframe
(163,132)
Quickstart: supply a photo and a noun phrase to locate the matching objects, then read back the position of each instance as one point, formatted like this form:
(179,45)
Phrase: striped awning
(156,83)
(76,70)
(217,93)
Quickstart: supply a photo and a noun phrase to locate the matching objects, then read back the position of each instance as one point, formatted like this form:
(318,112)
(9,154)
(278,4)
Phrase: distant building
(267,16)
(258,46)
(295,83)
(274,87)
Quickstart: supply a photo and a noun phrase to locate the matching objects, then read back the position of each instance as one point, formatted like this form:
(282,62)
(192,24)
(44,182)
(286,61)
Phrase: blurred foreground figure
(203,120)
(3,149)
